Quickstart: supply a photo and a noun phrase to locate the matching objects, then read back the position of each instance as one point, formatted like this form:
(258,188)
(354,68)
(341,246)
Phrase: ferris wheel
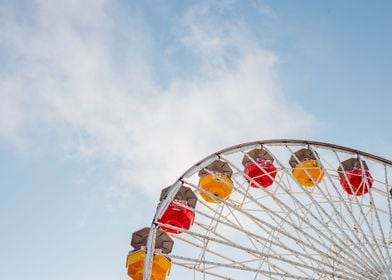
(276,209)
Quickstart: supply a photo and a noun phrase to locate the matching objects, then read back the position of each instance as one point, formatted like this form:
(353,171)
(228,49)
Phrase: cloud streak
(85,75)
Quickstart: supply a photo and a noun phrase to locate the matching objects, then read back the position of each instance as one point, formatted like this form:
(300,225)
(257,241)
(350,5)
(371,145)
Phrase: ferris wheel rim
(250,144)
(233,149)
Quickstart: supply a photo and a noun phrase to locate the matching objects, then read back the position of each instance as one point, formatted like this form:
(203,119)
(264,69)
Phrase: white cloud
(111,108)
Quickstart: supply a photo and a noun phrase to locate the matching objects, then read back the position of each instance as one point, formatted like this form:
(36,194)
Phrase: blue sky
(103,103)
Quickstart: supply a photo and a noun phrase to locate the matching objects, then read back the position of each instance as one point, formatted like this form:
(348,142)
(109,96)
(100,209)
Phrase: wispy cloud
(87,70)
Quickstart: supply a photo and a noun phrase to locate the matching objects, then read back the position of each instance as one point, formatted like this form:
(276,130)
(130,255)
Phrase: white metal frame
(310,233)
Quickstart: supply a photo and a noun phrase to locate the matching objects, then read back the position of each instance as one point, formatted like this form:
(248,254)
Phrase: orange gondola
(306,168)
(215,179)
(161,264)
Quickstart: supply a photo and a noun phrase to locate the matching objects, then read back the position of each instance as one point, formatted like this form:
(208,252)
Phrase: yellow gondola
(135,264)
(160,265)
(216,180)
(306,168)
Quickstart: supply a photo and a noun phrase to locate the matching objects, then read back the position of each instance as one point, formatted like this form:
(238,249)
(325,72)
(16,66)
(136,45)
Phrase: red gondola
(259,168)
(355,177)
(180,212)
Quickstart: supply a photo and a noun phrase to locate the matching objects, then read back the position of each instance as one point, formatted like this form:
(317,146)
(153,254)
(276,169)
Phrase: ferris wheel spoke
(377,250)
(213,225)
(349,209)
(389,197)
(212,252)
(369,255)
(227,242)
(375,212)
(288,216)
(263,223)
(264,272)
(273,228)
(261,239)
(271,212)
(193,268)
(239,227)
(317,205)
(220,276)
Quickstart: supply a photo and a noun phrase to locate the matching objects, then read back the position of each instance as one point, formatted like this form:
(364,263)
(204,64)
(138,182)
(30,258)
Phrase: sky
(104,103)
